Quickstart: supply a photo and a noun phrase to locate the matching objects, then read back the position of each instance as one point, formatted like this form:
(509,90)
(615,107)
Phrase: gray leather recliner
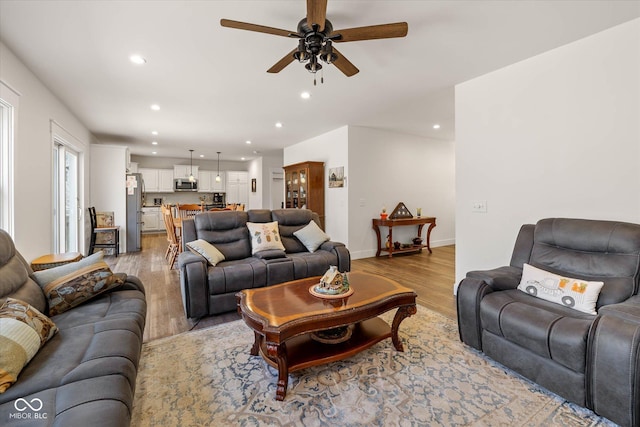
(592,360)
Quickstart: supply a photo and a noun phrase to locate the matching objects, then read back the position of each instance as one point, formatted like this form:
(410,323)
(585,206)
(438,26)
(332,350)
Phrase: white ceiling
(212,85)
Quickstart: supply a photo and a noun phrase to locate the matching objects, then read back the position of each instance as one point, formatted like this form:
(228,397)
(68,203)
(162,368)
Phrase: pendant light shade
(191,177)
(218,176)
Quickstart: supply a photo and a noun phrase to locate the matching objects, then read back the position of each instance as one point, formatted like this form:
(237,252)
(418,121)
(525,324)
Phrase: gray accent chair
(591,360)
(84,375)
(208,290)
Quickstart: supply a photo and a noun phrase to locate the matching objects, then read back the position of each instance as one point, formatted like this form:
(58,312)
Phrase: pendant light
(191,177)
(218,176)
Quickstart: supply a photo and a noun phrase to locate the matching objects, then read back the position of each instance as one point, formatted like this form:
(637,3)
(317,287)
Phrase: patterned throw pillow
(79,286)
(311,236)
(578,294)
(23,331)
(264,235)
(207,250)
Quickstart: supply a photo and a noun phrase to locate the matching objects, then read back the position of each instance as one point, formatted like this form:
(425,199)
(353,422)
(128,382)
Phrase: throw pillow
(311,236)
(23,331)
(207,250)
(44,277)
(79,286)
(578,294)
(264,235)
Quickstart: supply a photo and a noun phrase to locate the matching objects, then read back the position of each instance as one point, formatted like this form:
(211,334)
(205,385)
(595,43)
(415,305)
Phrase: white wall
(332,149)
(556,135)
(108,184)
(386,168)
(39,107)
(382,168)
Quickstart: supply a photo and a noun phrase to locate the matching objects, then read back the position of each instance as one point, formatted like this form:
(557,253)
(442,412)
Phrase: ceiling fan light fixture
(327,54)
(301,54)
(313,65)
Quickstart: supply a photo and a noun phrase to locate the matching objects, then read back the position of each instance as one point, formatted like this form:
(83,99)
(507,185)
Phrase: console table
(420,222)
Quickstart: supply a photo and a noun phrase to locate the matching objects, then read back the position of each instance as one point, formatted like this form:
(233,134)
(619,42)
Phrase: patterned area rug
(208,378)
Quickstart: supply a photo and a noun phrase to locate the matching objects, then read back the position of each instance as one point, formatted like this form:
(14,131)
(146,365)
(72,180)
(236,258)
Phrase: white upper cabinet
(183,171)
(165,180)
(151,179)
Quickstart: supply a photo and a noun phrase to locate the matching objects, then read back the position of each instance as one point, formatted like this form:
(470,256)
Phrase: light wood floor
(430,275)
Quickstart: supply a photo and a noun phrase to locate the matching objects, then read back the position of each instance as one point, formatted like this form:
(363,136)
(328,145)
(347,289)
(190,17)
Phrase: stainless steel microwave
(184,185)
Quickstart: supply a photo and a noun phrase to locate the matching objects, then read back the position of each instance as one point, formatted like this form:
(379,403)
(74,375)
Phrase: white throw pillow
(207,250)
(578,294)
(311,236)
(264,235)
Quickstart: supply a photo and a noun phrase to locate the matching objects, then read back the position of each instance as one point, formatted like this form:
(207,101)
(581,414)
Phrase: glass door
(66,199)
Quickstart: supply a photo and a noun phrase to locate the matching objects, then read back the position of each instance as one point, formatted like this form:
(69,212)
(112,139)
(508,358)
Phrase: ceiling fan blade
(316,13)
(384,31)
(286,60)
(254,27)
(344,65)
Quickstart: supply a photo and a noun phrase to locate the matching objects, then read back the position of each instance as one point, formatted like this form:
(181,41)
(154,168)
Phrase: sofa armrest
(470,293)
(613,362)
(499,279)
(133,283)
(194,284)
(341,251)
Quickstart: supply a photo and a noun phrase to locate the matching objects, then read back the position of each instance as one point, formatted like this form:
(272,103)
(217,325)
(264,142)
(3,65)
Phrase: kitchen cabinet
(157,180)
(304,187)
(237,186)
(183,171)
(152,219)
(207,182)
(165,180)
(151,180)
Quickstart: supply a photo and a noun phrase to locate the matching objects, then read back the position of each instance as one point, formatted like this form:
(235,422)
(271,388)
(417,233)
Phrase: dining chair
(107,242)
(189,210)
(172,238)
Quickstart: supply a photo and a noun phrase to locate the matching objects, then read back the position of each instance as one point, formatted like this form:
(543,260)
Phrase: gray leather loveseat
(208,289)
(590,359)
(85,375)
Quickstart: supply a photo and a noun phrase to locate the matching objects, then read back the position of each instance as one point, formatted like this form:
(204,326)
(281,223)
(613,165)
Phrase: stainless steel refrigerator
(135,200)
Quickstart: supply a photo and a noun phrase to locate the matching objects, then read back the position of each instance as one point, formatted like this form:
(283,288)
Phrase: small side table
(54,260)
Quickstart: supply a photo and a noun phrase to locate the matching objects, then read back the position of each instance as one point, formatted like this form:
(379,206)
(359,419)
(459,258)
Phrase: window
(66,198)
(8,119)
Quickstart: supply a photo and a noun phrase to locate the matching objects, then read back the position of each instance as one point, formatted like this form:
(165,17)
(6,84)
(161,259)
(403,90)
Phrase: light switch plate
(479,206)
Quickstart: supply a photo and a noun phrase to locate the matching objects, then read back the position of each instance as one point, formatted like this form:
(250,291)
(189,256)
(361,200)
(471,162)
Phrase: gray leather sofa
(208,290)
(592,360)
(85,375)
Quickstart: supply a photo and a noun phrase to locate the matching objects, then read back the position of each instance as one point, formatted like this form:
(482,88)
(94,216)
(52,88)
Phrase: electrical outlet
(479,206)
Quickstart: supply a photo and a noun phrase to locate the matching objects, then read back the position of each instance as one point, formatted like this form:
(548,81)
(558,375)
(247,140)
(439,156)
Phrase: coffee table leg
(402,313)
(279,353)
(256,344)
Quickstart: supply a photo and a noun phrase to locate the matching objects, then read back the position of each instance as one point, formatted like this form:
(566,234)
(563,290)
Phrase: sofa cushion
(264,236)
(307,264)
(206,250)
(79,286)
(15,280)
(23,331)
(577,294)
(236,275)
(545,328)
(226,230)
(311,236)
(44,277)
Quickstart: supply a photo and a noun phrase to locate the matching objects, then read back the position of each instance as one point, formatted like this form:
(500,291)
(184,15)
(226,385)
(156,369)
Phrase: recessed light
(305,95)
(248,142)
(242,158)
(155,107)
(154,152)
(201,155)
(137,59)
(278,124)
(436,126)
(154,142)
(155,132)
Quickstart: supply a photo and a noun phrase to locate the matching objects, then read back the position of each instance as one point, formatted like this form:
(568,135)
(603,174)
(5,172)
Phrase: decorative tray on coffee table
(319,292)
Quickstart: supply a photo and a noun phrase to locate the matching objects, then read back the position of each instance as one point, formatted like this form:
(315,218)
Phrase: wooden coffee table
(284,316)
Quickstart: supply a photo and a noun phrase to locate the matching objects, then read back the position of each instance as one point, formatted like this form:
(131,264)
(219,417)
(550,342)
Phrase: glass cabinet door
(303,189)
(288,199)
(294,177)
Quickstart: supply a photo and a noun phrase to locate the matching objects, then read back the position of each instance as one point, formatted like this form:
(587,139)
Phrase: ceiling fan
(316,36)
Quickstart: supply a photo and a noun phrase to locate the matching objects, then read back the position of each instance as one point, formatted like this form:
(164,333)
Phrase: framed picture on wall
(254,185)
(336,177)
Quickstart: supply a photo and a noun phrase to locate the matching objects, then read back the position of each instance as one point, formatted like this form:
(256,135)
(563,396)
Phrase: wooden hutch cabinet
(304,187)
